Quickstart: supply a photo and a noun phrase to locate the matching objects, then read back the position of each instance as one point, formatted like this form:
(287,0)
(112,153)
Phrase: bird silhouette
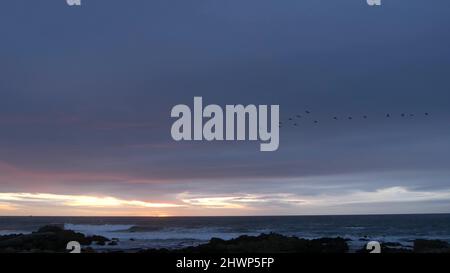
(295,122)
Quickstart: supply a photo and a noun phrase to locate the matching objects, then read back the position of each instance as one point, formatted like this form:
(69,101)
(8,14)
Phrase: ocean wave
(135,232)
(91,229)
(9,232)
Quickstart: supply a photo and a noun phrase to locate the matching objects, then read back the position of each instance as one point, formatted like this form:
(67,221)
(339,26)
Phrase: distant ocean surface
(177,232)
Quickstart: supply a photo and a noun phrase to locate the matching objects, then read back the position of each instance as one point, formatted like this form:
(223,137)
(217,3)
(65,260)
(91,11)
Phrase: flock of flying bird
(294,120)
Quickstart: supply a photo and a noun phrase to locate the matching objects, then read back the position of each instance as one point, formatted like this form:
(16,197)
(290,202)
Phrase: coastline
(54,239)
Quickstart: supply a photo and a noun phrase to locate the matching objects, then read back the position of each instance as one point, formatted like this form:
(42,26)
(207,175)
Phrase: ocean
(135,233)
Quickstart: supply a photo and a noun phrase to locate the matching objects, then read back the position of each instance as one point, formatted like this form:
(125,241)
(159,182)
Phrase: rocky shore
(54,239)
(46,239)
(265,243)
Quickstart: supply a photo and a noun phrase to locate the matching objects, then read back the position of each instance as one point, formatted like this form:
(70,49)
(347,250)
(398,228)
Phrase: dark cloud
(88,91)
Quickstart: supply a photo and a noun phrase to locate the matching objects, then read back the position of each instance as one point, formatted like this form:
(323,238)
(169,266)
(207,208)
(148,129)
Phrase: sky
(86,94)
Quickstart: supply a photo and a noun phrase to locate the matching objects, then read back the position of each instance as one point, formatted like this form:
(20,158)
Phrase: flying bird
(388,115)
(307,112)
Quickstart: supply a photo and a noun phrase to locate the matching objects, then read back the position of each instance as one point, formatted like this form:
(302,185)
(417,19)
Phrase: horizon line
(228,216)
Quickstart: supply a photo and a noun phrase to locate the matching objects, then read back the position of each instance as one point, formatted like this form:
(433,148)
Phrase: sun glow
(7,207)
(82,200)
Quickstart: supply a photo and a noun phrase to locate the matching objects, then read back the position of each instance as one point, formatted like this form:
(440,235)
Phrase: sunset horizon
(262,128)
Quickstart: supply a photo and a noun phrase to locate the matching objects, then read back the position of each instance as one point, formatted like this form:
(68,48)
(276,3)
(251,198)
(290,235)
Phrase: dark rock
(99,240)
(88,250)
(431,246)
(50,228)
(420,246)
(112,243)
(267,243)
(46,239)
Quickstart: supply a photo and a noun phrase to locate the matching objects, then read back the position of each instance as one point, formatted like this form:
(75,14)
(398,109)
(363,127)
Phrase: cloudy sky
(86,94)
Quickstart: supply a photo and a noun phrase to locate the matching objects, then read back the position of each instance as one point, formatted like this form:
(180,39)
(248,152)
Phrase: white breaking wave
(96,229)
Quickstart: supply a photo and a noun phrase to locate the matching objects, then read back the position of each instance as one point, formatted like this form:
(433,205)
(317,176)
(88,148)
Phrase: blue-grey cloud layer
(89,90)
